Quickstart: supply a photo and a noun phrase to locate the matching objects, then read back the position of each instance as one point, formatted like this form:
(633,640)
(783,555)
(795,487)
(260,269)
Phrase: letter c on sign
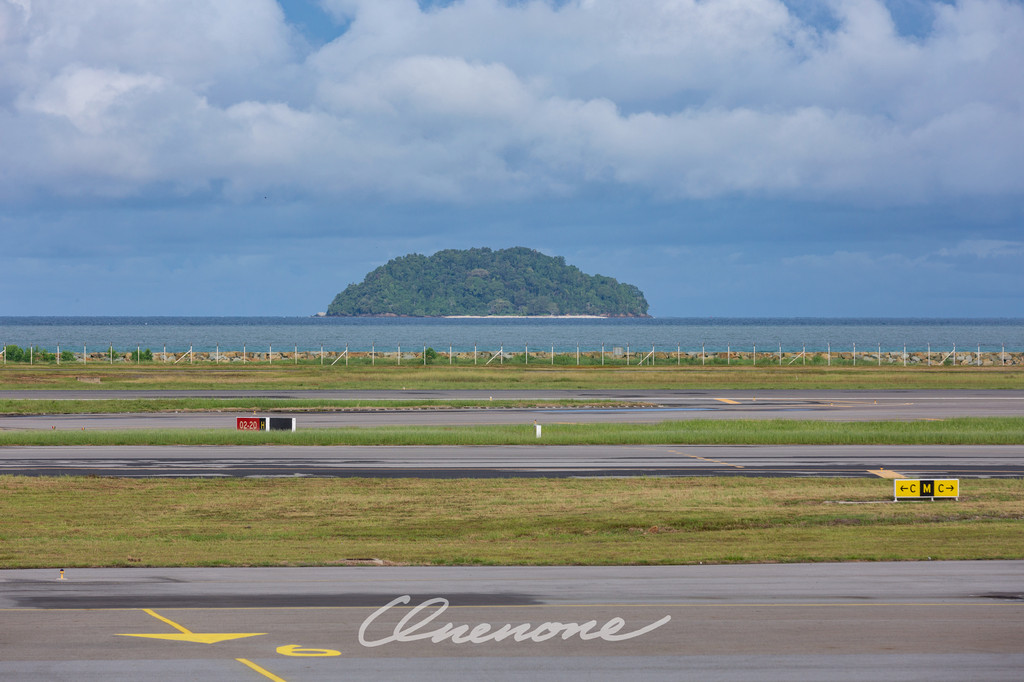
(297,650)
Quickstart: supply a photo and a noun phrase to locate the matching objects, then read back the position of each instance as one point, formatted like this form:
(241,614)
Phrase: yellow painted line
(166,620)
(727,401)
(186,635)
(266,673)
(886,473)
(705,459)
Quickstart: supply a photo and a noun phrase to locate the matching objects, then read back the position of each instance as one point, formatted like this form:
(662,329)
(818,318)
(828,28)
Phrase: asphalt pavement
(892,621)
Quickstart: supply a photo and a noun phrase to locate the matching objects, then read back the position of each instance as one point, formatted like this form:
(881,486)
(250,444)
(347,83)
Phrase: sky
(732,158)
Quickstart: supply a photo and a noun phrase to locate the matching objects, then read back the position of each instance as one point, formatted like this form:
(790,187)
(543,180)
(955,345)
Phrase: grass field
(97,405)
(65,522)
(75,522)
(960,431)
(518,377)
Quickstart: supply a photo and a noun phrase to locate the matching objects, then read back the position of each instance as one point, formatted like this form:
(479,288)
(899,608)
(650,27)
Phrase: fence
(615,356)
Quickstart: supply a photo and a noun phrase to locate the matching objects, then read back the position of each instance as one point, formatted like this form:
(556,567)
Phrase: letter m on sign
(927,488)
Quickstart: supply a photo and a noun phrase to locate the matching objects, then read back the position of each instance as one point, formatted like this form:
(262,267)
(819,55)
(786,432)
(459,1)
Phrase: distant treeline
(516,281)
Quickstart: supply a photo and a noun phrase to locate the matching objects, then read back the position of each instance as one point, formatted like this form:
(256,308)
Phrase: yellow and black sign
(916,489)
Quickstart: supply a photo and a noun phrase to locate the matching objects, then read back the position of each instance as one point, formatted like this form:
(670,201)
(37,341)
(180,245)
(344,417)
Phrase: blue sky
(729,157)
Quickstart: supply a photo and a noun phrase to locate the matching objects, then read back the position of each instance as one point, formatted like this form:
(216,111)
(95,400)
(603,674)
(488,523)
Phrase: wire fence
(589,356)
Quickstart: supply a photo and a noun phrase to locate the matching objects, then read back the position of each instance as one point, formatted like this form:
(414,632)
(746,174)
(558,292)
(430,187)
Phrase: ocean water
(564,335)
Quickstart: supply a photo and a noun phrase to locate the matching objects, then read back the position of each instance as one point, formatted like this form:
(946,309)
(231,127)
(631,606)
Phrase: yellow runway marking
(705,459)
(727,401)
(886,473)
(186,635)
(266,673)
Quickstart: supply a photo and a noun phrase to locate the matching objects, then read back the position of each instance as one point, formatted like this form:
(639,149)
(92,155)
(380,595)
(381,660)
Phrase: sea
(688,334)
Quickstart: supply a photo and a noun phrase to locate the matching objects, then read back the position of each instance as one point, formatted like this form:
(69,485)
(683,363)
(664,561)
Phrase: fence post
(399,355)
(449,353)
(526,354)
(854,354)
(879,355)
(270,353)
(829,353)
(577,353)
(755,355)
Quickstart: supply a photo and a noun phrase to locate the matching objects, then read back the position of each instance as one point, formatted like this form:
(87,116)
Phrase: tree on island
(515,281)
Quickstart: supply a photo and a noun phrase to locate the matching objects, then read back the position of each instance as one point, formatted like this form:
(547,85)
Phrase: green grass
(77,522)
(96,405)
(497,377)
(959,431)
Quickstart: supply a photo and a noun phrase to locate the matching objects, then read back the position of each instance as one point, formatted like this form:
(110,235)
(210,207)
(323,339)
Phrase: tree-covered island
(516,281)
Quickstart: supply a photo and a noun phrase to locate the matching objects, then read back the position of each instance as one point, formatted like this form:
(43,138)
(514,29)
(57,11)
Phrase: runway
(516,461)
(893,621)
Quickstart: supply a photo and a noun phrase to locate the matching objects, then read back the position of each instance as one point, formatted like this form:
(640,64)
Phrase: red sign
(252,424)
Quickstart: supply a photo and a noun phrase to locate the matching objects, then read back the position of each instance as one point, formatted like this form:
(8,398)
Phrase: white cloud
(483,100)
(983,249)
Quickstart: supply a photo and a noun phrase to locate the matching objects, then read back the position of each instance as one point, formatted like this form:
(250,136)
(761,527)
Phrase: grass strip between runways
(959,431)
(78,522)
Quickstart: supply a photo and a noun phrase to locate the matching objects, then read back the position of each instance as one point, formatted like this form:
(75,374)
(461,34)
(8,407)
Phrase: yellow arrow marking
(185,635)
(727,401)
(885,473)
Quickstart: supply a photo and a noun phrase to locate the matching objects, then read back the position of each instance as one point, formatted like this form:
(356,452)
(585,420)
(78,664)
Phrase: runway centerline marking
(727,401)
(186,635)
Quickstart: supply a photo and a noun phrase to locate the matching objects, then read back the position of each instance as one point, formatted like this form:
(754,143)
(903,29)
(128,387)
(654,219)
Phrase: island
(480,282)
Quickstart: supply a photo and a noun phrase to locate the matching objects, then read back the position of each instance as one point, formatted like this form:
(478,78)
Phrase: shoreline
(526,317)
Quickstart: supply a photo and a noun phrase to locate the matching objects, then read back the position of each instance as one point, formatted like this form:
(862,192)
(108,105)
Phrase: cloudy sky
(729,157)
